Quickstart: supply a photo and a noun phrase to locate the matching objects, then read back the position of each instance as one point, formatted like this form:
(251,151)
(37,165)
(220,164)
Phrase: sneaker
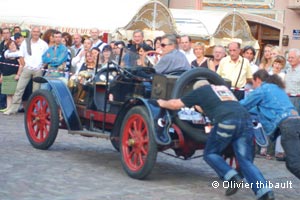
(268,196)
(8,112)
(4,109)
(234,184)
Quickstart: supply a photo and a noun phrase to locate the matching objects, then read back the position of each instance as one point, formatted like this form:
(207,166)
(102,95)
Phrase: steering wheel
(138,73)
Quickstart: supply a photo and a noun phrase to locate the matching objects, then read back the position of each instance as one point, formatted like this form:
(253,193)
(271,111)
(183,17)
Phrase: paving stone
(82,168)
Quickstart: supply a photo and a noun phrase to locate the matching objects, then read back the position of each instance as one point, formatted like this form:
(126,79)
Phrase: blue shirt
(172,62)
(55,55)
(271,105)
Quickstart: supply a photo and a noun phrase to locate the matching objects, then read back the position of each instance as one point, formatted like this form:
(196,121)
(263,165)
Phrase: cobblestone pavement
(81,168)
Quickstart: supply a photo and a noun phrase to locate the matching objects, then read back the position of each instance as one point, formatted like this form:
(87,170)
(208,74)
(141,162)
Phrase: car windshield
(135,56)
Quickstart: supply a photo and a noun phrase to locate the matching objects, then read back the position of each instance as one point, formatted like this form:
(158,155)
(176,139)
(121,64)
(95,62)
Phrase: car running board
(87,133)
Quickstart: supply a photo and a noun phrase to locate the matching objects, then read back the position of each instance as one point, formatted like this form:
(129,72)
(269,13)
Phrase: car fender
(64,99)
(161,135)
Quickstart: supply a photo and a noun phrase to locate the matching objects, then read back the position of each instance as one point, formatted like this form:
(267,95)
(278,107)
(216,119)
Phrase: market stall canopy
(233,27)
(153,18)
(122,17)
(72,17)
(199,24)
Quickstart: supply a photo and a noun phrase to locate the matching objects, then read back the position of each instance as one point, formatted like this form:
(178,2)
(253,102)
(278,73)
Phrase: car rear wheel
(41,119)
(138,148)
(185,84)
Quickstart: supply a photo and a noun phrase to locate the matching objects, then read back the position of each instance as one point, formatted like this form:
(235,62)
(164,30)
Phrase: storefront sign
(296,34)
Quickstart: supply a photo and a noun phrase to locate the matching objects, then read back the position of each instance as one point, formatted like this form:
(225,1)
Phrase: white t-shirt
(189,55)
(34,61)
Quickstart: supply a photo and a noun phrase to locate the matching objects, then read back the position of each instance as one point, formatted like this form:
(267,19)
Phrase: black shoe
(21,110)
(234,184)
(268,196)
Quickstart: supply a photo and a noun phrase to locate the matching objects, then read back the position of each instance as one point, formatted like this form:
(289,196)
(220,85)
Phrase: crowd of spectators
(53,53)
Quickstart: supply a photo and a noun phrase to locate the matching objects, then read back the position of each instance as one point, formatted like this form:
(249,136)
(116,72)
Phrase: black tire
(115,143)
(137,145)
(185,83)
(41,119)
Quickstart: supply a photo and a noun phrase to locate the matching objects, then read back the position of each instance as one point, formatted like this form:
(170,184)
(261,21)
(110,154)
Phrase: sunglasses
(164,45)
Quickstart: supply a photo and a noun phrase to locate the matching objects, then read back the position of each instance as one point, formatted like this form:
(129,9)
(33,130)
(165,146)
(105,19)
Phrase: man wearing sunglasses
(172,59)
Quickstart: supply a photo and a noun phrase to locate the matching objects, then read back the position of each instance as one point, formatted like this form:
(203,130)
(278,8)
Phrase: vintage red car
(116,103)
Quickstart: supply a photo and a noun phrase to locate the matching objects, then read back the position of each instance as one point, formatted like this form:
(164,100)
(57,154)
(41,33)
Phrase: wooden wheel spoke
(135,126)
(130,155)
(131,132)
(143,151)
(36,107)
(138,148)
(47,122)
(139,124)
(144,132)
(135,159)
(42,120)
(140,158)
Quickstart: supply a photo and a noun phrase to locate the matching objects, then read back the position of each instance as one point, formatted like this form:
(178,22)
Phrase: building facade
(274,22)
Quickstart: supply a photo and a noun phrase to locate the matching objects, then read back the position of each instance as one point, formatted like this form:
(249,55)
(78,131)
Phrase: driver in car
(172,59)
(232,125)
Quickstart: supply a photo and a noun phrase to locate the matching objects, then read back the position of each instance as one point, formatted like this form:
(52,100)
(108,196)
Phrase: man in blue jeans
(270,103)
(232,125)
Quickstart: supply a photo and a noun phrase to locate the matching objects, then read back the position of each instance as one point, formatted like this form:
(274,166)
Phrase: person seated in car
(172,59)
(106,57)
(87,69)
(90,62)
(118,52)
(143,59)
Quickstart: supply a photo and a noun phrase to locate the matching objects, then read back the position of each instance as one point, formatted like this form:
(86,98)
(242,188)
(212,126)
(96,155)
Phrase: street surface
(81,168)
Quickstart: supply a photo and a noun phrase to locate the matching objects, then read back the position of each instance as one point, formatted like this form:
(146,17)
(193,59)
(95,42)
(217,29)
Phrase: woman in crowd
(48,37)
(157,42)
(78,60)
(278,66)
(144,58)
(11,72)
(158,51)
(249,53)
(275,51)
(106,56)
(266,60)
(199,51)
(96,53)
(90,62)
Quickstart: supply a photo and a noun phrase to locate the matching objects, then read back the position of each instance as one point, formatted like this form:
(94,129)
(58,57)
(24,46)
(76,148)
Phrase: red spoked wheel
(41,119)
(138,147)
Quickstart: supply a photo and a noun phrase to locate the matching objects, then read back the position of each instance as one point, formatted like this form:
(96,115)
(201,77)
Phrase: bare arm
(21,65)
(172,104)
(8,54)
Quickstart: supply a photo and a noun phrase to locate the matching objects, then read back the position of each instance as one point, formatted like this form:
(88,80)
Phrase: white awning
(198,23)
